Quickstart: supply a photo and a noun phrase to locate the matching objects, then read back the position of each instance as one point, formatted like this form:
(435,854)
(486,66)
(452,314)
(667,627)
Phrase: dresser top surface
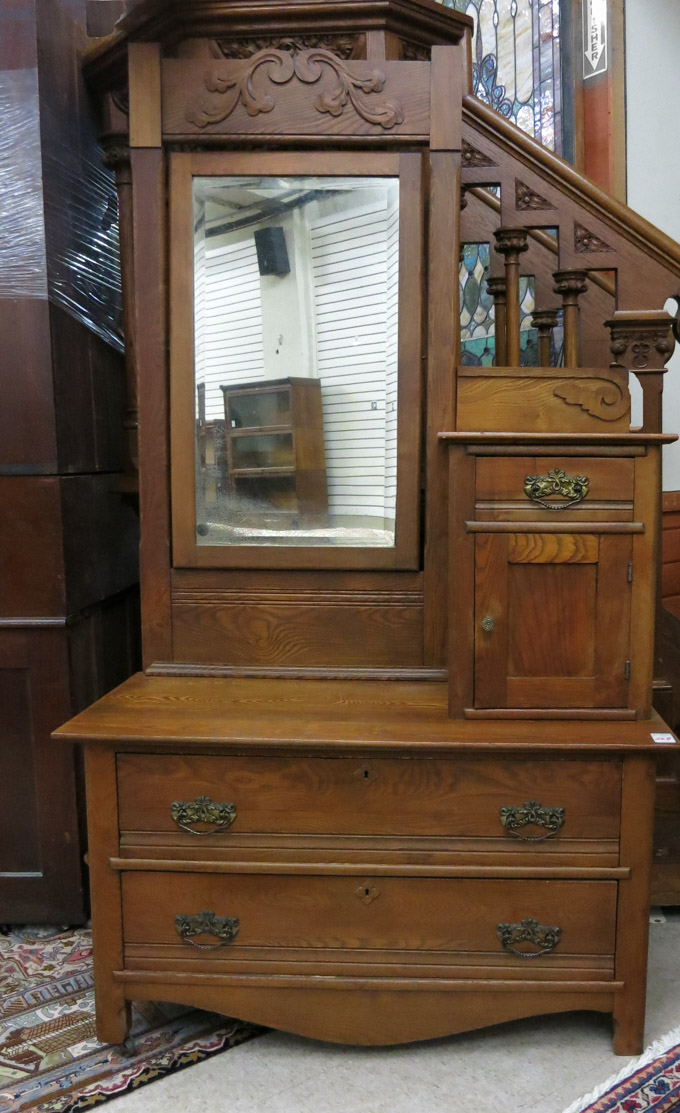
(202,711)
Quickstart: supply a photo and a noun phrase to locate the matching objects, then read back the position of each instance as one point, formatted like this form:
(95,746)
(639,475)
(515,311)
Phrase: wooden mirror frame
(408,167)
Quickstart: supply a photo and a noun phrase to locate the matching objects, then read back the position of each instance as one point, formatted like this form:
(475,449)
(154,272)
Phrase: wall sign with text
(594,37)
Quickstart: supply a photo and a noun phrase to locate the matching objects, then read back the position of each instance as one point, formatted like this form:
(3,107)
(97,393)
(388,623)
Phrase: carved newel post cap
(496,285)
(570,283)
(511,241)
(545,318)
(642,340)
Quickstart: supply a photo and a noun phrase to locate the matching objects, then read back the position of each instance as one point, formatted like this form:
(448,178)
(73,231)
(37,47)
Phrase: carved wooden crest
(230,84)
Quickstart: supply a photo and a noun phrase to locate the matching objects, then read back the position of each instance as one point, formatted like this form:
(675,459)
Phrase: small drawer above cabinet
(207,805)
(515,488)
(373,920)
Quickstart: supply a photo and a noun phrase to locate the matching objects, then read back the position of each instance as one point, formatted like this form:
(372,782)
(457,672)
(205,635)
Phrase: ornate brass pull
(488,624)
(528,931)
(556,484)
(224,928)
(202,810)
(531,814)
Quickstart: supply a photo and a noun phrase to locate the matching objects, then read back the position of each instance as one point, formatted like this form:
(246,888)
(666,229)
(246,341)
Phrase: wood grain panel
(496,399)
(553,548)
(380,912)
(491,601)
(28,440)
(32,572)
(366,716)
(294,111)
(551,621)
(375,796)
(336,634)
(610,479)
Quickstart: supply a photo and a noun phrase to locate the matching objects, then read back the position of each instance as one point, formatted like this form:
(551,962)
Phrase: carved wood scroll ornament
(229,86)
(605,399)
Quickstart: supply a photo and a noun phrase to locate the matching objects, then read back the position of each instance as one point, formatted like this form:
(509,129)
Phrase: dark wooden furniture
(275,448)
(69,602)
(381,794)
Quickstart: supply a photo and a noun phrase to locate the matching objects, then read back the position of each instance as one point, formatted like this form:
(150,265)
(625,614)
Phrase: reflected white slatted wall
(392,354)
(349,260)
(232,321)
(199,303)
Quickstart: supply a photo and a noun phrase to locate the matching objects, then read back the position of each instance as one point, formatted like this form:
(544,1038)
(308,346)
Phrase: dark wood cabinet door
(552,618)
(40,854)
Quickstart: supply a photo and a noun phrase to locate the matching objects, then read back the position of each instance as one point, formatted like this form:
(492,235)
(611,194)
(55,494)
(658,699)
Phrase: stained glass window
(478,346)
(516,62)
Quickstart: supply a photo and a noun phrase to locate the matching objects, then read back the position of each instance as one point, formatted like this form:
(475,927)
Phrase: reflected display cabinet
(388,773)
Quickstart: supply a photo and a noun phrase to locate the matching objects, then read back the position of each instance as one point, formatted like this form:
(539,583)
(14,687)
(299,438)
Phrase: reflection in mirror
(295,319)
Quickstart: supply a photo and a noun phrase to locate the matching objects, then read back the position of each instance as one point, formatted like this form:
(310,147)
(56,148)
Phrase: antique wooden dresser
(389,771)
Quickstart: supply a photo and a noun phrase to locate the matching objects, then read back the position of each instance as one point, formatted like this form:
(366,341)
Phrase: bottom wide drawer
(228,916)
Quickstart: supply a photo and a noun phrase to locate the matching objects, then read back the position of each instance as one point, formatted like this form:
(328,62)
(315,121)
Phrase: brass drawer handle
(224,928)
(528,931)
(556,484)
(531,814)
(488,624)
(202,810)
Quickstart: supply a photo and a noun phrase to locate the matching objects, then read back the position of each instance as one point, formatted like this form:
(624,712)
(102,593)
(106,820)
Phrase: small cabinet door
(552,619)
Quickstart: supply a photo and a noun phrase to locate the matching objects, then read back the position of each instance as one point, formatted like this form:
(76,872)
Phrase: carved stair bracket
(606,399)
(472,157)
(231,84)
(527,198)
(586,242)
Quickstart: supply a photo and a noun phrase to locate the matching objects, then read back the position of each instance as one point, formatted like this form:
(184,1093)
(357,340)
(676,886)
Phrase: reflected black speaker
(272,254)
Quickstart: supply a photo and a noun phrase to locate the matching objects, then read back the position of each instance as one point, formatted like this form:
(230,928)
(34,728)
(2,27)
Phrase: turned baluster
(570,285)
(496,287)
(544,320)
(511,242)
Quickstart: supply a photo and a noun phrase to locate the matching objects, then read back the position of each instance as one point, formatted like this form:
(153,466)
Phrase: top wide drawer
(503,490)
(390,797)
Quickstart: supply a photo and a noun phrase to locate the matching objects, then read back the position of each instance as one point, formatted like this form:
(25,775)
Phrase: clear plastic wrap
(23,259)
(81,223)
(58,205)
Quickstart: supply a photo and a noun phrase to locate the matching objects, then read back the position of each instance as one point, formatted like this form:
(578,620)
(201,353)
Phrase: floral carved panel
(297,88)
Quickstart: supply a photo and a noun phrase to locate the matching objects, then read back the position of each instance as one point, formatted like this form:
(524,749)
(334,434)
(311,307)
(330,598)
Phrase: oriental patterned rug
(50,1059)
(649,1084)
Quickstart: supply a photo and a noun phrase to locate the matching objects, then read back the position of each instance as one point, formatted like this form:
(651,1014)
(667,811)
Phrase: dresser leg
(629,1032)
(113,1017)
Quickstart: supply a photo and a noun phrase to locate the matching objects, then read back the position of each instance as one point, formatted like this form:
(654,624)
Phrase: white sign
(664,739)
(594,37)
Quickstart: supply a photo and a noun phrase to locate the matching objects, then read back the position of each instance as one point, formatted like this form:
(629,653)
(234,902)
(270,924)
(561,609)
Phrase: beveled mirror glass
(295,360)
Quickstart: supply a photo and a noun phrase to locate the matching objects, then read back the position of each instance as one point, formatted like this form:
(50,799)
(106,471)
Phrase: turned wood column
(643,342)
(496,287)
(570,285)
(511,242)
(544,320)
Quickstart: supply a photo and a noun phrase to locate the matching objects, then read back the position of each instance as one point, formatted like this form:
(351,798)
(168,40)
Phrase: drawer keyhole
(366,773)
(367,894)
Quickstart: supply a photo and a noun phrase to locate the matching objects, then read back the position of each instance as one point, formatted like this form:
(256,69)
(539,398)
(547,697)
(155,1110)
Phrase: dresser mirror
(295,376)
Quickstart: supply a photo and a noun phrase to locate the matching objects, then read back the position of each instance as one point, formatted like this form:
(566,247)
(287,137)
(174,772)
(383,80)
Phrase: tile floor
(530,1066)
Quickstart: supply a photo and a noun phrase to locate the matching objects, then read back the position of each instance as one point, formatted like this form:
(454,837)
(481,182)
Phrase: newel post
(643,342)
